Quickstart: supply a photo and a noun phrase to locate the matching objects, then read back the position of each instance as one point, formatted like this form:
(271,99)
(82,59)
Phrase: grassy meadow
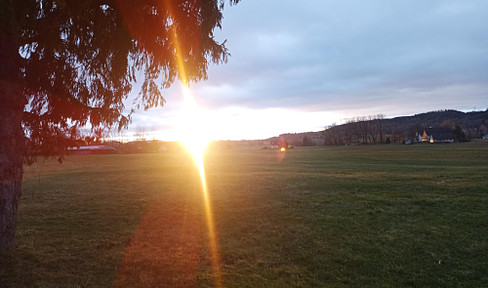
(369,216)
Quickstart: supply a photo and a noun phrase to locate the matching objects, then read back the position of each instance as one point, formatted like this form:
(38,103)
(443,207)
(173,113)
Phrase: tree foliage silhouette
(69,63)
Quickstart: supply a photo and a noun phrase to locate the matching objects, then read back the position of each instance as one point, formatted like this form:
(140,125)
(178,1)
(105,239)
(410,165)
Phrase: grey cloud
(323,52)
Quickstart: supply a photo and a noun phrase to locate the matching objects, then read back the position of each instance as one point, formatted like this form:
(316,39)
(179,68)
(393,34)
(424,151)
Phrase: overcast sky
(298,66)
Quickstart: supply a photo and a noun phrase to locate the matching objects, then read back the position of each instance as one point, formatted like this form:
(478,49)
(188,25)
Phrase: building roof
(439,133)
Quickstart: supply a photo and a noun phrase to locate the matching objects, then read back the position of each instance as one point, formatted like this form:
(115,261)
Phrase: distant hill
(378,130)
(466,120)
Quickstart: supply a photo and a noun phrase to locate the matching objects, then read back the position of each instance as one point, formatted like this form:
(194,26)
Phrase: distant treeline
(358,130)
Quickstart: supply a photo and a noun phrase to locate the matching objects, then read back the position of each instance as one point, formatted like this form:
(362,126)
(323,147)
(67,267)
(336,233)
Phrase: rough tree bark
(12,140)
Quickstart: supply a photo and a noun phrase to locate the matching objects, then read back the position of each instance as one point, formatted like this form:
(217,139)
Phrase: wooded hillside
(376,129)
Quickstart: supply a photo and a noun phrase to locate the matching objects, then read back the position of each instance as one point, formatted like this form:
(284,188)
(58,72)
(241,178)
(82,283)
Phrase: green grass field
(370,216)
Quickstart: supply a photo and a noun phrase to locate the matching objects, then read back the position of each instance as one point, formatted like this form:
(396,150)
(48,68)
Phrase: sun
(194,129)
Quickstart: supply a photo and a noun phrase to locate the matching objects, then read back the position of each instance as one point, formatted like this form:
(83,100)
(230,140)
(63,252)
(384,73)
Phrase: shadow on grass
(165,250)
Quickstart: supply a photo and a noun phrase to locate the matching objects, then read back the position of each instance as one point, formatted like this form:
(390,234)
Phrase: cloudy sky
(299,66)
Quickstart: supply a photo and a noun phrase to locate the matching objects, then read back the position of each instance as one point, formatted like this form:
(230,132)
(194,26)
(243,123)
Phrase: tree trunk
(12,140)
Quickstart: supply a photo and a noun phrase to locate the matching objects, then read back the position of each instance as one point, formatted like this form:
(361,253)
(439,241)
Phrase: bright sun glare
(195,138)
(193,130)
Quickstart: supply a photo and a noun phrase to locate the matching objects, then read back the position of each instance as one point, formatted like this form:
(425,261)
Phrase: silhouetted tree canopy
(78,59)
(71,63)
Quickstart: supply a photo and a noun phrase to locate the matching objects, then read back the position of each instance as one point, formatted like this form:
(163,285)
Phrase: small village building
(92,149)
(437,135)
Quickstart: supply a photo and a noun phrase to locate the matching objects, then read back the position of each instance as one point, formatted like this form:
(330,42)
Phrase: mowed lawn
(370,216)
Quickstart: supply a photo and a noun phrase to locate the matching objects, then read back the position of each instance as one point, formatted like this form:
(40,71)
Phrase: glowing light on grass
(283,149)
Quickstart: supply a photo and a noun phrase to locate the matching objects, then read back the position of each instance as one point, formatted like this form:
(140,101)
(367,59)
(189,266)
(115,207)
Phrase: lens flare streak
(214,255)
(196,140)
(197,149)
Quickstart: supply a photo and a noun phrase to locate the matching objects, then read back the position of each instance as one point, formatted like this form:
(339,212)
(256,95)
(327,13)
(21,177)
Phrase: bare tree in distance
(356,131)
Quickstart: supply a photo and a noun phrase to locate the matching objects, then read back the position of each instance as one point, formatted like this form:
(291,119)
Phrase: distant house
(437,135)
(92,149)
(270,144)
